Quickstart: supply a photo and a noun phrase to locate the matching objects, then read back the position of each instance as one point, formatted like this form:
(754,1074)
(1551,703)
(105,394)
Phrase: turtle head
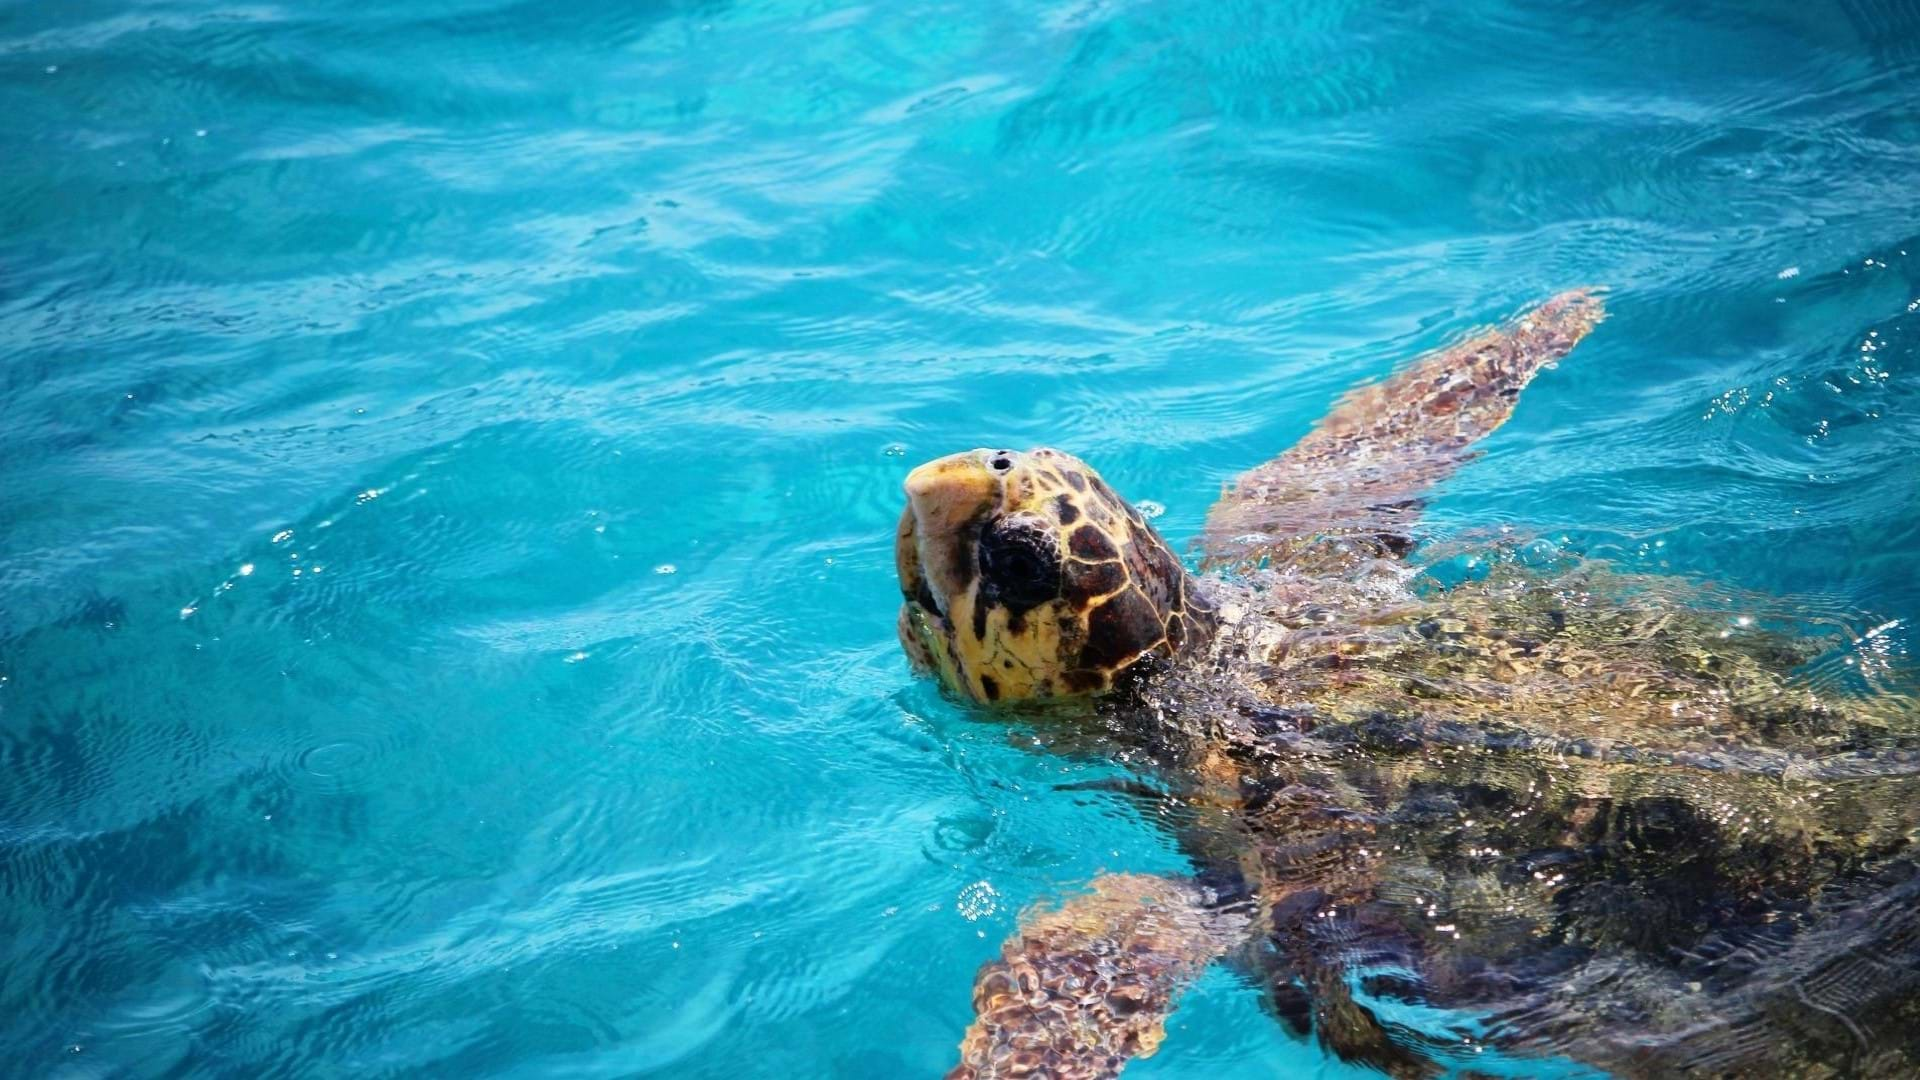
(1025,577)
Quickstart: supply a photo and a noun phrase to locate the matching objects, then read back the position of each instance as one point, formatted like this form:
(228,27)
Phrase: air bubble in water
(977,901)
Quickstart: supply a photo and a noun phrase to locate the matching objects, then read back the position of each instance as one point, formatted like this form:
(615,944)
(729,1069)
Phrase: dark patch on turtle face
(1019,564)
(1076,481)
(1088,542)
(1088,580)
(924,597)
(1068,512)
(1167,575)
(1154,569)
(990,688)
(1126,625)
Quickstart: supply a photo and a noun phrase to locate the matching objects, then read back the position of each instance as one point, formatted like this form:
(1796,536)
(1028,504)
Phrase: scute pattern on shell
(1560,799)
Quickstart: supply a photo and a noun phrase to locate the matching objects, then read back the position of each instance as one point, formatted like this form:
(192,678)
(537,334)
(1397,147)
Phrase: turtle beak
(952,492)
(947,500)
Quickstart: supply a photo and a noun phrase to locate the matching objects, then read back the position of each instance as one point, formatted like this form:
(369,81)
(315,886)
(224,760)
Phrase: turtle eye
(1001,461)
(1019,562)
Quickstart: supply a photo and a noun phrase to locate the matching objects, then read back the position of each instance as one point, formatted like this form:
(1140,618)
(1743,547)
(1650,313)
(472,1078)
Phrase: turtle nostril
(1001,461)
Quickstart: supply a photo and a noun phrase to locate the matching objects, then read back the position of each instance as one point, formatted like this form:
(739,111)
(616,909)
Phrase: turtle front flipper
(1081,989)
(1358,476)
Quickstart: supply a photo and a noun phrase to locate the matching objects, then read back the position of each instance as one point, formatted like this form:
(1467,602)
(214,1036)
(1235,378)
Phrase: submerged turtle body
(1569,815)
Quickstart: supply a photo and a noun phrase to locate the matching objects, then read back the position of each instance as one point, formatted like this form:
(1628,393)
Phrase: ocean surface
(449,455)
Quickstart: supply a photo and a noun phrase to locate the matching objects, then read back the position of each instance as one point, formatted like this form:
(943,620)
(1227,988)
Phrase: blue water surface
(449,452)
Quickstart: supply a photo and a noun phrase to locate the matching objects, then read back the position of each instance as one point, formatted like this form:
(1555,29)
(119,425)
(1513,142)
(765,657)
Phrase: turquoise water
(449,455)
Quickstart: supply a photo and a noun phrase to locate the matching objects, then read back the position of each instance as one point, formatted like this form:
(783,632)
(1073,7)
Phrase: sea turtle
(1522,819)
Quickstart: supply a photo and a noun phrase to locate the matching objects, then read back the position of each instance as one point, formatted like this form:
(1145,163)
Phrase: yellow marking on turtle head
(1023,576)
